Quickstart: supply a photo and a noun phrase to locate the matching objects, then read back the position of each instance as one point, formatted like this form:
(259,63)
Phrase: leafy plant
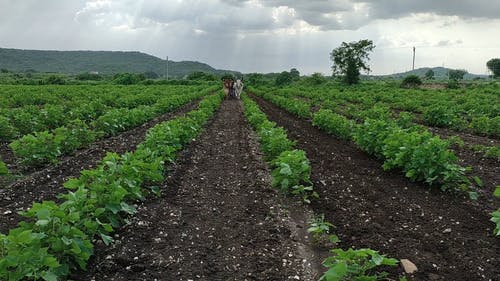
(57,238)
(355,265)
(291,169)
(495,216)
(3,168)
(7,131)
(319,227)
(333,123)
(292,174)
(439,115)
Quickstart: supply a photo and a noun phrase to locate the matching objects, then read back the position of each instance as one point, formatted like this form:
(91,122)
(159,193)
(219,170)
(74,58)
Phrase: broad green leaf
(49,276)
(337,272)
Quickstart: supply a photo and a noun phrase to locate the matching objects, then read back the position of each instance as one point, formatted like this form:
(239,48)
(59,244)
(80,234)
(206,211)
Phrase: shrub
(411,81)
(88,76)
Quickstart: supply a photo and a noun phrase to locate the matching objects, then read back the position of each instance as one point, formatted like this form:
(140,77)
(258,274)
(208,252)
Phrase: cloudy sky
(263,35)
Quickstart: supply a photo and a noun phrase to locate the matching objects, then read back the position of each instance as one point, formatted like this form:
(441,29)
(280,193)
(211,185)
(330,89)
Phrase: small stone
(408,266)
(448,230)
(8,212)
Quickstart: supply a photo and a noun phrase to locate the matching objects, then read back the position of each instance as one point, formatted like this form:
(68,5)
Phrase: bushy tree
(255,78)
(295,73)
(284,78)
(411,81)
(494,66)
(457,74)
(55,80)
(350,58)
(88,76)
(429,75)
(315,79)
(128,78)
(201,76)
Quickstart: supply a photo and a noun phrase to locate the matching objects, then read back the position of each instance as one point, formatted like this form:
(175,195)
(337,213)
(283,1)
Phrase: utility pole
(413,68)
(167,67)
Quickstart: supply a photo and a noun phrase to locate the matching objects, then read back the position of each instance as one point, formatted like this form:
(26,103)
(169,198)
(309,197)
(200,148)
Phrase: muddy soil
(217,218)
(45,184)
(447,236)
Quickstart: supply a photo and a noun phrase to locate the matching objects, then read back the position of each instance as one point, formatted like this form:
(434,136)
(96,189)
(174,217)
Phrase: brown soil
(46,183)
(217,218)
(448,237)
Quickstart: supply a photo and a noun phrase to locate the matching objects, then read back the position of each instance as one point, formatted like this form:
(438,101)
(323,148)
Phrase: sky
(264,35)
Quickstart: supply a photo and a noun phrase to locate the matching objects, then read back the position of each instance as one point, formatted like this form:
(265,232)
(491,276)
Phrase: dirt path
(447,237)
(45,184)
(217,219)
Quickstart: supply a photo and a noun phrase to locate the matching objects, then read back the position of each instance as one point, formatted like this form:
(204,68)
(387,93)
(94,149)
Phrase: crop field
(303,182)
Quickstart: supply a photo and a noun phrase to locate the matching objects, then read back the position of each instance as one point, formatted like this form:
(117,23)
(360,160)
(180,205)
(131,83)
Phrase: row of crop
(77,104)
(57,238)
(422,156)
(291,169)
(46,147)
(475,109)
(70,96)
(291,173)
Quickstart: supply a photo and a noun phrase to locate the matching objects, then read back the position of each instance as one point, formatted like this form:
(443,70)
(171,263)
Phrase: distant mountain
(105,62)
(439,73)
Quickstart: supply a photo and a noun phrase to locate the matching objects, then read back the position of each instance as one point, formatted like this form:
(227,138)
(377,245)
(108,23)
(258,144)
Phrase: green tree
(494,66)
(201,76)
(295,73)
(429,75)
(255,78)
(457,74)
(350,58)
(284,78)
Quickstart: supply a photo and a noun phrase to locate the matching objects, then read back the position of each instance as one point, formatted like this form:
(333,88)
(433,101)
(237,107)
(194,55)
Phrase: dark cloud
(385,9)
(249,35)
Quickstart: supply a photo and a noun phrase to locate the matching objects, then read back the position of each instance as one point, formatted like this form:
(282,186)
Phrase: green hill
(440,73)
(105,62)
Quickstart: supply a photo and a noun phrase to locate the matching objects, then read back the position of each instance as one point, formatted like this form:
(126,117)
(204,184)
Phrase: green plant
(57,238)
(3,168)
(291,169)
(333,123)
(439,116)
(7,131)
(495,216)
(355,265)
(36,150)
(319,227)
(292,174)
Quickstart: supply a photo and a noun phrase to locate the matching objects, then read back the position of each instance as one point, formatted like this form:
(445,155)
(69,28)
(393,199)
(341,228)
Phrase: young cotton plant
(495,216)
(292,173)
(355,265)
